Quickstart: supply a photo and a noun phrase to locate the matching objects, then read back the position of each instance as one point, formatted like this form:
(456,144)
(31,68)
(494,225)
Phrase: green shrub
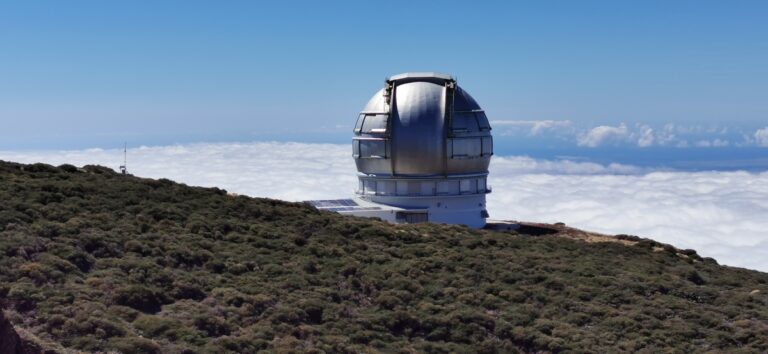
(140,298)
(212,326)
(134,345)
(155,326)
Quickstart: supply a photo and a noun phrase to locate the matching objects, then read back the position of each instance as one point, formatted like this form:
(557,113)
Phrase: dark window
(359,123)
(481,185)
(466,147)
(447,187)
(482,121)
(487,146)
(369,186)
(402,188)
(411,218)
(427,188)
(375,124)
(373,148)
(355,148)
(414,188)
(385,187)
(468,186)
(464,122)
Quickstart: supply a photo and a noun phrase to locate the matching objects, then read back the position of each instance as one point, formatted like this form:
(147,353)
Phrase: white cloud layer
(599,135)
(639,134)
(761,137)
(720,214)
(713,143)
(646,138)
(536,126)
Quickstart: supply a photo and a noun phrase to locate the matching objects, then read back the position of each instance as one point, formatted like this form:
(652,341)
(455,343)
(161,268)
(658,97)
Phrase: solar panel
(337,209)
(330,203)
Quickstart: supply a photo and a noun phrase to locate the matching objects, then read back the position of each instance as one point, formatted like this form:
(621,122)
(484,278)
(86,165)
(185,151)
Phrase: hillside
(91,260)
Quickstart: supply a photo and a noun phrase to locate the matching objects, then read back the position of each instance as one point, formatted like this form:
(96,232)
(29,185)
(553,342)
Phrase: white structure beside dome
(422,147)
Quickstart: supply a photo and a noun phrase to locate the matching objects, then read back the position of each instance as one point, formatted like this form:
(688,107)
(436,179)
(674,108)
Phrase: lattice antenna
(124,166)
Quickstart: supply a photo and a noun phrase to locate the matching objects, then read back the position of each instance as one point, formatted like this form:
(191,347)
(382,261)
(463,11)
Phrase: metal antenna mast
(124,166)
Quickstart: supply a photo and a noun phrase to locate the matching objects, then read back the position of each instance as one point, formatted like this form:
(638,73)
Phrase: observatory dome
(422,125)
(422,147)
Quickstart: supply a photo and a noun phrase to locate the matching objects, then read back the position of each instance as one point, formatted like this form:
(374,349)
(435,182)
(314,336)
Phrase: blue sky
(80,74)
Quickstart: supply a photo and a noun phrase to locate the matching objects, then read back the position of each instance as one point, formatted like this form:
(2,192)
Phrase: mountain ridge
(92,260)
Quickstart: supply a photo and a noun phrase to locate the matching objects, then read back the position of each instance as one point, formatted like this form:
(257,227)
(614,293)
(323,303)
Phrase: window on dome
(375,123)
(466,147)
(370,148)
(487,146)
(464,122)
(482,121)
(359,123)
(355,148)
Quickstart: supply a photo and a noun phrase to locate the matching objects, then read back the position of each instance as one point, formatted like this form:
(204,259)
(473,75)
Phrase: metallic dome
(422,125)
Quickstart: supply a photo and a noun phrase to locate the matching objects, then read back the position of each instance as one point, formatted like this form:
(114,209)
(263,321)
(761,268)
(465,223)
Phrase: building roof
(420,76)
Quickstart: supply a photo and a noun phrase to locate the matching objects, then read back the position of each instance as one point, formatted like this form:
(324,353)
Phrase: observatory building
(422,147)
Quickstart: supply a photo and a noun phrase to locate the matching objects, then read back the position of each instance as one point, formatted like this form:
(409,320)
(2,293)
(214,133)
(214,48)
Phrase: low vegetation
(91,260)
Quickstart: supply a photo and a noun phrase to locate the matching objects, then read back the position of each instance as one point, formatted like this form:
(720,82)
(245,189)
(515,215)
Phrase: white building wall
(451,200)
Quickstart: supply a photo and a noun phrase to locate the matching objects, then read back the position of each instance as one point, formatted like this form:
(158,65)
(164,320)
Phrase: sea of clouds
(639,134)
(723,215)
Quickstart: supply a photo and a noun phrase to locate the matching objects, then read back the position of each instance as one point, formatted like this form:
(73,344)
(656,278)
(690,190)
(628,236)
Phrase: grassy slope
(91,260)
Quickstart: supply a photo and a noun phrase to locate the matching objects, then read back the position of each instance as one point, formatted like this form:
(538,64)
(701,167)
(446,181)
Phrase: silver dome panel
(418,128)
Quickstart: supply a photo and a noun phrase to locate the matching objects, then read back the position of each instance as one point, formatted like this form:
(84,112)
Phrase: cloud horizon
(640,135)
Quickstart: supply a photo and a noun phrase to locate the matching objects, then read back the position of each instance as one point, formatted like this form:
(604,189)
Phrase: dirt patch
(557,229)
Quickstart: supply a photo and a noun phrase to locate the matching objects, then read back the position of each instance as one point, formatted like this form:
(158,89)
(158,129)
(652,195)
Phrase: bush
(155,326)
(135,345)
(212,326)
(140,298)
(68,168)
